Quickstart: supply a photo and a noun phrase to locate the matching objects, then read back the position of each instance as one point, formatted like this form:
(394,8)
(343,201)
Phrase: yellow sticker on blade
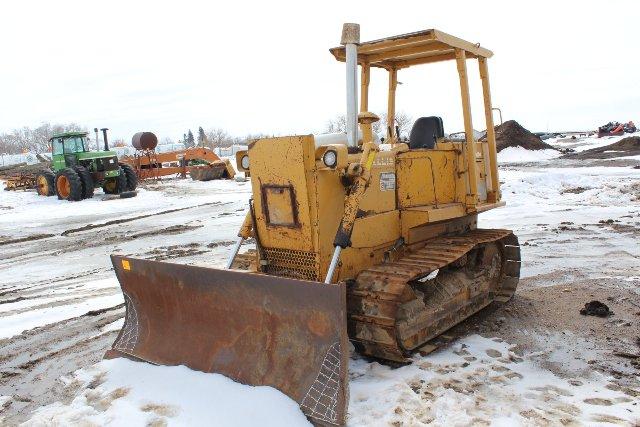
(370,159)
(125,264)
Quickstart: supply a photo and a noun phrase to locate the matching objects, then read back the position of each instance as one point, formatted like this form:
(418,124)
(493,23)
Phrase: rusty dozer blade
(256,329)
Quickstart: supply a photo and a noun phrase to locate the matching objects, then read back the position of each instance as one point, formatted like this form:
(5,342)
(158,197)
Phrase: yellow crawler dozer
(356,240)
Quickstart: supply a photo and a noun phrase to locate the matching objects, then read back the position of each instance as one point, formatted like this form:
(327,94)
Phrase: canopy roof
(405,50)
(68,134)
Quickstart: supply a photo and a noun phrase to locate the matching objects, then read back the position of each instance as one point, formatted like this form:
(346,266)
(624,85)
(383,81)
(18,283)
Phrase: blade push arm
(351,206)
(244,233)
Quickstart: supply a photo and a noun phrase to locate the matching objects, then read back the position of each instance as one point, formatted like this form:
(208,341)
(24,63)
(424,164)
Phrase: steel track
(388,319)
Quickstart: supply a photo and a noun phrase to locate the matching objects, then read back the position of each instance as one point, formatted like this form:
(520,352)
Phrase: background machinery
(76,171)
(376,244)
(201,163)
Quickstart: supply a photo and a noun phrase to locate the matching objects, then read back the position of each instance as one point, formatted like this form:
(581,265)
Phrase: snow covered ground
(511,155)
(545,201)
(587,143)
(477,381)
(521,154)
(535,362)
(122,392)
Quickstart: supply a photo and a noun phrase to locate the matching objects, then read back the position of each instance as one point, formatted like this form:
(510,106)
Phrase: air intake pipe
(350,40)
(104,135)
(97,139)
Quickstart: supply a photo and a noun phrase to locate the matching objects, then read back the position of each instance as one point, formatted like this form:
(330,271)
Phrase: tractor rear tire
(46,183)
(68,185)
(116,185)
(87,181)
(130,173)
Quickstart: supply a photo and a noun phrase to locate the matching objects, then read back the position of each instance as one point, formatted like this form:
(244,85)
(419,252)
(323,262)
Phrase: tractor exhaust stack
(104,135)
(350,40)
(97,139)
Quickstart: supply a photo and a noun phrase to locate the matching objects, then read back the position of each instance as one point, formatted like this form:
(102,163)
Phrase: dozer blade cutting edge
(256,329)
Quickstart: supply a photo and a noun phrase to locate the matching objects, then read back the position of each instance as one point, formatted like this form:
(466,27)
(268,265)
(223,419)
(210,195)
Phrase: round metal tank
(144,140)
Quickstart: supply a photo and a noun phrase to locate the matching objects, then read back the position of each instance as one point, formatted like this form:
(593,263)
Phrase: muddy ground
(543,319)
(59,264)
(628,146)
(56,269)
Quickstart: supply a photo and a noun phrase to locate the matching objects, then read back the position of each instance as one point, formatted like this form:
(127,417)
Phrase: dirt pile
(512,134)
(629,146)
(596,308)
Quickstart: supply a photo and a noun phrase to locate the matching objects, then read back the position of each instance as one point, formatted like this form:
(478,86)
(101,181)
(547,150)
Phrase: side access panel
(256,329)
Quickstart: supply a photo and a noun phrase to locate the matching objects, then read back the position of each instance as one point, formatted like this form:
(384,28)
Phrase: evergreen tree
(184,139)
(202,138)
(190,140)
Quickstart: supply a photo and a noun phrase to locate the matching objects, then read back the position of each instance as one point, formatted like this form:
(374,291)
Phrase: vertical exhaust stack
(104,135)
(97,139)
(350,40)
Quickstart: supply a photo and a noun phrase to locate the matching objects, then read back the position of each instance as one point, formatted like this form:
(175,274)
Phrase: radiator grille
(291,263)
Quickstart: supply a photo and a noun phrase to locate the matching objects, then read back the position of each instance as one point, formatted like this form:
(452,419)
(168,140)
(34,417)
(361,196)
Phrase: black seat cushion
(425,131)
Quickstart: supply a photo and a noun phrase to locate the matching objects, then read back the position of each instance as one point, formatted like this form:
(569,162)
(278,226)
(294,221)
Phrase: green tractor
(76,171)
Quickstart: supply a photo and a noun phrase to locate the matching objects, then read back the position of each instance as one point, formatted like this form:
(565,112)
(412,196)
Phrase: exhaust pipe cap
(350,34)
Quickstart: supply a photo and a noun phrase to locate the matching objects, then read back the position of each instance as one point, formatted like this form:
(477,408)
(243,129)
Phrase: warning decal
(387,181)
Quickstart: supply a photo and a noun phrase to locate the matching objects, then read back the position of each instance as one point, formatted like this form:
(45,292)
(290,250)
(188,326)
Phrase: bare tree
(337,124)
(379,127)
(218,137)
(245,140)
(404,122)
(34,140)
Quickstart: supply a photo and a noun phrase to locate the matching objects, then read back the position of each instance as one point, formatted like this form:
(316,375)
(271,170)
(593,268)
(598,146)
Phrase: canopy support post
(391,105)
(494,195)
(470,148)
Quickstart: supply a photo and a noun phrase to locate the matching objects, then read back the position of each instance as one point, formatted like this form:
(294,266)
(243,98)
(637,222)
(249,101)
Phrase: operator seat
(425,131)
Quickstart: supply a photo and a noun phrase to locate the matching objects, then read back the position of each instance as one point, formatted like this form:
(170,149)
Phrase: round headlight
(245,162)
(330,158)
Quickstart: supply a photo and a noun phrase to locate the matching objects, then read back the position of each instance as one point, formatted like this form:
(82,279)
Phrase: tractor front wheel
(68,185)
(86,180)
(116,185)
(130,174)
(45,183)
